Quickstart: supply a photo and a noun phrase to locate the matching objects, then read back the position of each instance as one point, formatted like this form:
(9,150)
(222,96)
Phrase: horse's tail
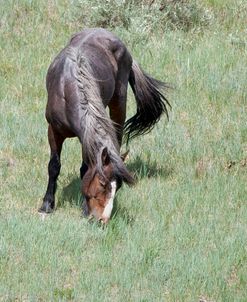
(151,102)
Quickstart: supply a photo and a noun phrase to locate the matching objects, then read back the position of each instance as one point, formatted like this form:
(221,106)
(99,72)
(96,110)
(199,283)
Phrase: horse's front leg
(55,142)
(83,171)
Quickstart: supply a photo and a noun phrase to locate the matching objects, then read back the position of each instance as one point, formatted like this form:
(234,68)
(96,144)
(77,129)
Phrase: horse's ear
(124,156)
(105,158)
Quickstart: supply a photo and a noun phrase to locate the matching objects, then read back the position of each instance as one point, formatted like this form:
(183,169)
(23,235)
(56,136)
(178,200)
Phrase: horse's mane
(97,128)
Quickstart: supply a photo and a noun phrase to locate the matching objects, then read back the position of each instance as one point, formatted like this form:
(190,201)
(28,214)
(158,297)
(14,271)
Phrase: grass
(180,233)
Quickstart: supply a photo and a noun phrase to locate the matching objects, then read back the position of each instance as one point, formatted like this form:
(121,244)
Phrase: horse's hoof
(46,208)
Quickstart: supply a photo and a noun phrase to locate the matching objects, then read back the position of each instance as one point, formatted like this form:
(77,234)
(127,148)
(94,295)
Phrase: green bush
(106,14)
(152,15)
(184,15)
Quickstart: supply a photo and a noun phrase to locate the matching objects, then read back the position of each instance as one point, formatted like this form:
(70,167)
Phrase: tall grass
(180,233)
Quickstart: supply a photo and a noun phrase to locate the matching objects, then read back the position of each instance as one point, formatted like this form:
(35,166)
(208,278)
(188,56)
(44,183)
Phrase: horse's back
(105,52)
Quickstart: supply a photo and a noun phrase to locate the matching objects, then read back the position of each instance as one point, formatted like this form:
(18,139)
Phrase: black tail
(151,103)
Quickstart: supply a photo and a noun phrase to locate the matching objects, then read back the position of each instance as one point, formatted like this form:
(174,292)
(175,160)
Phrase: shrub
(164,14)
(106,14)
(184,15)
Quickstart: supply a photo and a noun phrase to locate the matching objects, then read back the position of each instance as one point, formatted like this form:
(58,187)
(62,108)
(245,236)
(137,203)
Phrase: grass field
(181,233)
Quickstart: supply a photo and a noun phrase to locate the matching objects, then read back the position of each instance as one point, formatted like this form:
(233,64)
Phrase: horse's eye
(103,184)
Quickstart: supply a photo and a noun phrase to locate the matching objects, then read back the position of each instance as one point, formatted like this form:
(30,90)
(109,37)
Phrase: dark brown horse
(90,73)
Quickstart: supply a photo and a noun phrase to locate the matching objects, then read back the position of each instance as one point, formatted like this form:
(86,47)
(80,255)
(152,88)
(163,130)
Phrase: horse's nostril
(90,217)
(104,220)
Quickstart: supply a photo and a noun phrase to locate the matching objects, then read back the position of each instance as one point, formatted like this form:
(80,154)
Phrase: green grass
(180,234)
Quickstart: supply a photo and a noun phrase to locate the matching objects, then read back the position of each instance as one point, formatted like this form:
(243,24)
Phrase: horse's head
(100,183)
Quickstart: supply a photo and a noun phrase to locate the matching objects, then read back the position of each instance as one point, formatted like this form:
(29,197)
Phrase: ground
(180,234)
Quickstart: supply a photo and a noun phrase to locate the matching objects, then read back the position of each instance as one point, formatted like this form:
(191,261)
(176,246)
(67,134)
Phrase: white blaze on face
(109,205)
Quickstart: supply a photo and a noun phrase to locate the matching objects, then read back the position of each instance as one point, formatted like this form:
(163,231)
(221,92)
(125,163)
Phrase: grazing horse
(89,74)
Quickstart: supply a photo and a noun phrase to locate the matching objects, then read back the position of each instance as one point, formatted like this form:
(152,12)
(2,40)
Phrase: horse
(91,73)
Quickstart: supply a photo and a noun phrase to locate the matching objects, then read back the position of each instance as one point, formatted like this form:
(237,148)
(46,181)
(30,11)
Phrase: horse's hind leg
(56,142)
(118,115)
(117,108)
(118,102)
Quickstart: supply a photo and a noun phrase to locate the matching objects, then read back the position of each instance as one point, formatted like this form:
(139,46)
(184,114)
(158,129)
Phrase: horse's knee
(54,166)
